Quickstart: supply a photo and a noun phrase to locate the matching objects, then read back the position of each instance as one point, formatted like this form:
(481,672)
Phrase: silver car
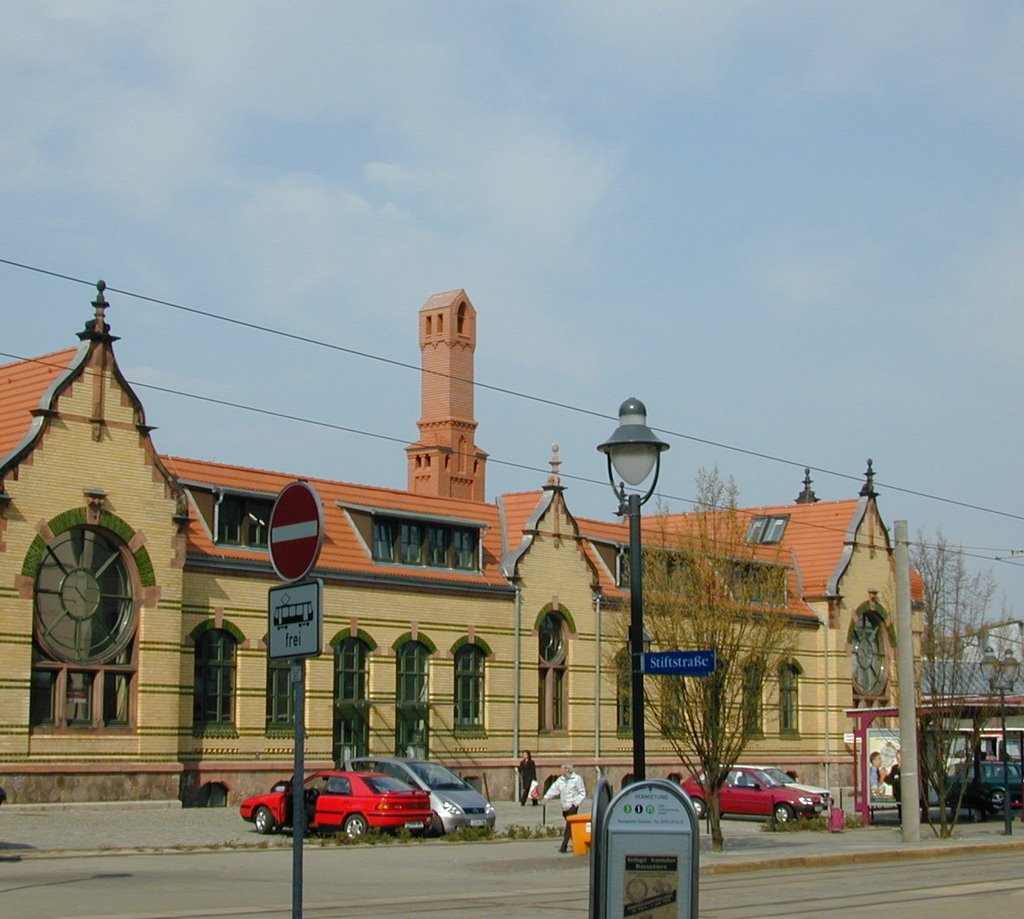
(454,803)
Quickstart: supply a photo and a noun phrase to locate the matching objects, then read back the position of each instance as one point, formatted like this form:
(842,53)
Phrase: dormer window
(429,544)
(766,530)
(242,521)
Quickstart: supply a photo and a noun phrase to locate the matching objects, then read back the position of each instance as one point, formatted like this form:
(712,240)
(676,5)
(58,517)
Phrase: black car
(985,789)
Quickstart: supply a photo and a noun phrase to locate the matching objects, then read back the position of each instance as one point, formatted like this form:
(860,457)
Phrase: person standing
(895,780)
(527,776)
(571,791)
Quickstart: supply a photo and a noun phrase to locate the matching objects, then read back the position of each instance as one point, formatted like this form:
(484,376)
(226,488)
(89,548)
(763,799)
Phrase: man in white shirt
(571,791)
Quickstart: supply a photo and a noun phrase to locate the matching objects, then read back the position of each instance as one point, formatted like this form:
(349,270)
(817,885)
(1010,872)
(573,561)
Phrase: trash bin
(836,819)
(579,827)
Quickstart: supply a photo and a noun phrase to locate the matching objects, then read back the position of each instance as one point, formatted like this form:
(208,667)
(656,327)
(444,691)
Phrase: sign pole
(295,612)
(298,785)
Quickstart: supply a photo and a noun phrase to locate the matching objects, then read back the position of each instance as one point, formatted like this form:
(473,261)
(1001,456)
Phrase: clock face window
(552,648)
(84,608)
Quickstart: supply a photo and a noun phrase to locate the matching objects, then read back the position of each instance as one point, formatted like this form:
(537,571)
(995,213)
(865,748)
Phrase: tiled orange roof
(816,535)
(344,552)
(22,386)
(813,543)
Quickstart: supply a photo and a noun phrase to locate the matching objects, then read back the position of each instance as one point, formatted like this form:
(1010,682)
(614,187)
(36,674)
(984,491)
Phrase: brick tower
(445,461)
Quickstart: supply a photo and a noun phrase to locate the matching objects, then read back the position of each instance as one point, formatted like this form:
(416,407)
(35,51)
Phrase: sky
(795,230)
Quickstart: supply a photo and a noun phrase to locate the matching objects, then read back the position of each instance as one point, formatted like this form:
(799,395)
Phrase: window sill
(216,731)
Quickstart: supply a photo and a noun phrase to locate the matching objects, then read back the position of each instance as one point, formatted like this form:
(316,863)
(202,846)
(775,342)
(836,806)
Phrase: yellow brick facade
(93,462)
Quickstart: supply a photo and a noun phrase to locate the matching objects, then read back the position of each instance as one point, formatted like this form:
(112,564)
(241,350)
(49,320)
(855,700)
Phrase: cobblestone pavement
(39,830)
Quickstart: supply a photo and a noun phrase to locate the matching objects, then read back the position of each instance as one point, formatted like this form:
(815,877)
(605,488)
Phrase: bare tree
(953,704)
(705,588)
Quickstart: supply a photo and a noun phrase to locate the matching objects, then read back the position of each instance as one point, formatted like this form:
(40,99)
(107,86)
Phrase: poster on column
(651,887)
(883,745)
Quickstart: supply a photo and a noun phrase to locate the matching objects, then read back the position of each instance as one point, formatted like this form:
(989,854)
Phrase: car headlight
(451,807)
(489,809)
(806,801)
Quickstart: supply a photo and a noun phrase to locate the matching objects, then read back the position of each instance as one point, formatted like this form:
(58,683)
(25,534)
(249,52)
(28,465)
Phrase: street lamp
(634,451)
(1001,675)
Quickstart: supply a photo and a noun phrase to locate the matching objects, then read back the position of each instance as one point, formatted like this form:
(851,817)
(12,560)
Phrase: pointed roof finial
(555,479)
(868,488)
(97,328)
(807,496)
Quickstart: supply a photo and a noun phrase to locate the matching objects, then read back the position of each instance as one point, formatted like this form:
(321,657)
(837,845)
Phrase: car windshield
(768,781)
(437,777)
(993,772)
(777,775)
(385,783)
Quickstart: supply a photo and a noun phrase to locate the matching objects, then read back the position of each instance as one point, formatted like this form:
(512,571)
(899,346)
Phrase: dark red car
(753,792)
(346,802)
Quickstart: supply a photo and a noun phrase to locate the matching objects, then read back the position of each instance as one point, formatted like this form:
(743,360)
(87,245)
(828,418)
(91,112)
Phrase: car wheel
(996,801)
(783,813)
(699,807)
(436,825)
(264,820)
(354,826)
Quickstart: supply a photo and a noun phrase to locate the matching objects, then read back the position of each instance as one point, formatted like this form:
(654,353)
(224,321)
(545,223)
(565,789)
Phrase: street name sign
(296,620)
(680,663)
(296,531)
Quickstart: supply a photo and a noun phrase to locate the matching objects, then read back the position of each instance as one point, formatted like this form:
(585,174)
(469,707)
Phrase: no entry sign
(296,531)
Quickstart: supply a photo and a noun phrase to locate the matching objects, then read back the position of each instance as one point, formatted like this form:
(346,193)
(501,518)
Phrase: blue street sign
(680,663)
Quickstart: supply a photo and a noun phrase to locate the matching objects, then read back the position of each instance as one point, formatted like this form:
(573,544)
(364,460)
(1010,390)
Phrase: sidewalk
(28,831)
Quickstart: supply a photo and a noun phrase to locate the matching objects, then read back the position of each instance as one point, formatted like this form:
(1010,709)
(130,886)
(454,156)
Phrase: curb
(843,858)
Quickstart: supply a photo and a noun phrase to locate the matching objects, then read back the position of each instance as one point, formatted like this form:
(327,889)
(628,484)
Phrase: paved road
(514,879)
(112,861)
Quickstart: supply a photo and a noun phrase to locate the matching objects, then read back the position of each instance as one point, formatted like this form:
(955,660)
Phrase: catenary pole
(909,781)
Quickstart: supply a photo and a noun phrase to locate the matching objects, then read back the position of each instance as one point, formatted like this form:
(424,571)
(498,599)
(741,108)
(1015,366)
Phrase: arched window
(789,699)
(867,653)
(214,680)
(551,688)
(753,709)
(83,656)
(412,702)
(469,687)
(280,699)
(351,712)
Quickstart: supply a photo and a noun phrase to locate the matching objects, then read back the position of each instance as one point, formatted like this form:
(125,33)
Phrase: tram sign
(296,531)
(296,620)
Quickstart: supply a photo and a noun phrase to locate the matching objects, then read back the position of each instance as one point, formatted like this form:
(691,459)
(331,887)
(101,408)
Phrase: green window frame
(412,721)
(789,700)
(214,679)
(280,698)
(351,718)
(469,687)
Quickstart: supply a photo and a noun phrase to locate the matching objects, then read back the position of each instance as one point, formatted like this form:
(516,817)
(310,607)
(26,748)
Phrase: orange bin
(579,827)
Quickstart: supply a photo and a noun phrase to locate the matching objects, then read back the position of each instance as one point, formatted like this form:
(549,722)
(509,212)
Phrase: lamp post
(634,452)
(1001,674)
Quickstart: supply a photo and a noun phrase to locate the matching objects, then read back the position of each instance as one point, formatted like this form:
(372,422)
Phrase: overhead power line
(334,426)
(270,330)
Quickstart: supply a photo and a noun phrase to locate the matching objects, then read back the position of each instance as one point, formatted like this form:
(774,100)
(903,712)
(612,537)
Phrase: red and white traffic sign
(296,531)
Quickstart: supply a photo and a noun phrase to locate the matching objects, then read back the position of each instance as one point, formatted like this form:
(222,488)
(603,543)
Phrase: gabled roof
(345,552)
(25,387)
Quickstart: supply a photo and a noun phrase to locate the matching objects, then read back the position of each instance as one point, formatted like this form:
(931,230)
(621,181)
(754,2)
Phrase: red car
(347,802)
(753,792)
